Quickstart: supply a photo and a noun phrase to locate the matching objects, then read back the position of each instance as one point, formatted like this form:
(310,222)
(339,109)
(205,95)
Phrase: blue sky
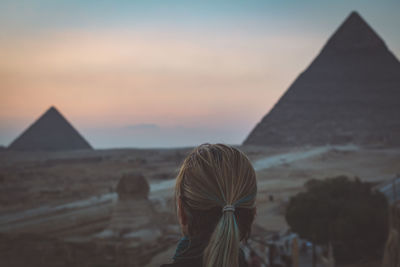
(198,71)
(33,16)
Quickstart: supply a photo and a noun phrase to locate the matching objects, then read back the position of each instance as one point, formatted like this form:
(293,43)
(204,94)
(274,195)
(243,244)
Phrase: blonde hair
(212,177)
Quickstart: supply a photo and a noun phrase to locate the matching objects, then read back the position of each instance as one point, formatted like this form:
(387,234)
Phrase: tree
(349,214)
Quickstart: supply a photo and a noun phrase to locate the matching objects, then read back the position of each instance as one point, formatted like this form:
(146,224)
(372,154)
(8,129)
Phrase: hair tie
(228,208)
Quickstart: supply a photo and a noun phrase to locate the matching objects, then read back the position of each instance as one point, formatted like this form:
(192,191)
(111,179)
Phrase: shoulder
(184,263)
(196,262)
(242,259)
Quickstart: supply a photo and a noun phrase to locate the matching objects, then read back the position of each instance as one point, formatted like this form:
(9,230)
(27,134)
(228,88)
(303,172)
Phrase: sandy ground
(71,196)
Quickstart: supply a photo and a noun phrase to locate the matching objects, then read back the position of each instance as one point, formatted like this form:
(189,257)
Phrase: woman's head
(216,190)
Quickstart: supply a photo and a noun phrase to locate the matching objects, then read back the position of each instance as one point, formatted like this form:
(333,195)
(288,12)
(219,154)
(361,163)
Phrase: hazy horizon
(158,74)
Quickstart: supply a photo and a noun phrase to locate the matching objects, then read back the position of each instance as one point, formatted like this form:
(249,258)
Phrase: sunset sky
(163,73)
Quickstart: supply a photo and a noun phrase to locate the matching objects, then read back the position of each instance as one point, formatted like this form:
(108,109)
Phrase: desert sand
(63,209)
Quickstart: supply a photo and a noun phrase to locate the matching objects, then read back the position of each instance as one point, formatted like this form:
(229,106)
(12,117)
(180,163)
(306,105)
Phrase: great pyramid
(350,93)
(50,132)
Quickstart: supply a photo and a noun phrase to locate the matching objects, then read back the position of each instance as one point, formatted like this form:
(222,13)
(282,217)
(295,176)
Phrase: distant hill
(51,132)
(350,93)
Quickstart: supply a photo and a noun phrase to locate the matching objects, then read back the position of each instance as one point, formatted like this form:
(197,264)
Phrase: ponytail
(223,247)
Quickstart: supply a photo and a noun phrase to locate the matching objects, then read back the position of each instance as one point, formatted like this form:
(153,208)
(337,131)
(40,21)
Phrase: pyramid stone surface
(50,132)
(350,93)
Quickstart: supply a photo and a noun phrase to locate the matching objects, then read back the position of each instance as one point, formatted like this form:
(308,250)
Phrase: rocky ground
(63,209)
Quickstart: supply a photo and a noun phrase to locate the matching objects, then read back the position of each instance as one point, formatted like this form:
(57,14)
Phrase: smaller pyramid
(51,132)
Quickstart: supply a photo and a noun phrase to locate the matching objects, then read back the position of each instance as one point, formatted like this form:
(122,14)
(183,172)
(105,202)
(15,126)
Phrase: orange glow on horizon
(117,78)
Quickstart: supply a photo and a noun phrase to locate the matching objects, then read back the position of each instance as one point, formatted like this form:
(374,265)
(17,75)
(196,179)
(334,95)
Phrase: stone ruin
(133,186)
(349,94)
(51,132)
(133,216)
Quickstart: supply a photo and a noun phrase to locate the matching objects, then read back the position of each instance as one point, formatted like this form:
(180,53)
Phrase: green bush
(346,213)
